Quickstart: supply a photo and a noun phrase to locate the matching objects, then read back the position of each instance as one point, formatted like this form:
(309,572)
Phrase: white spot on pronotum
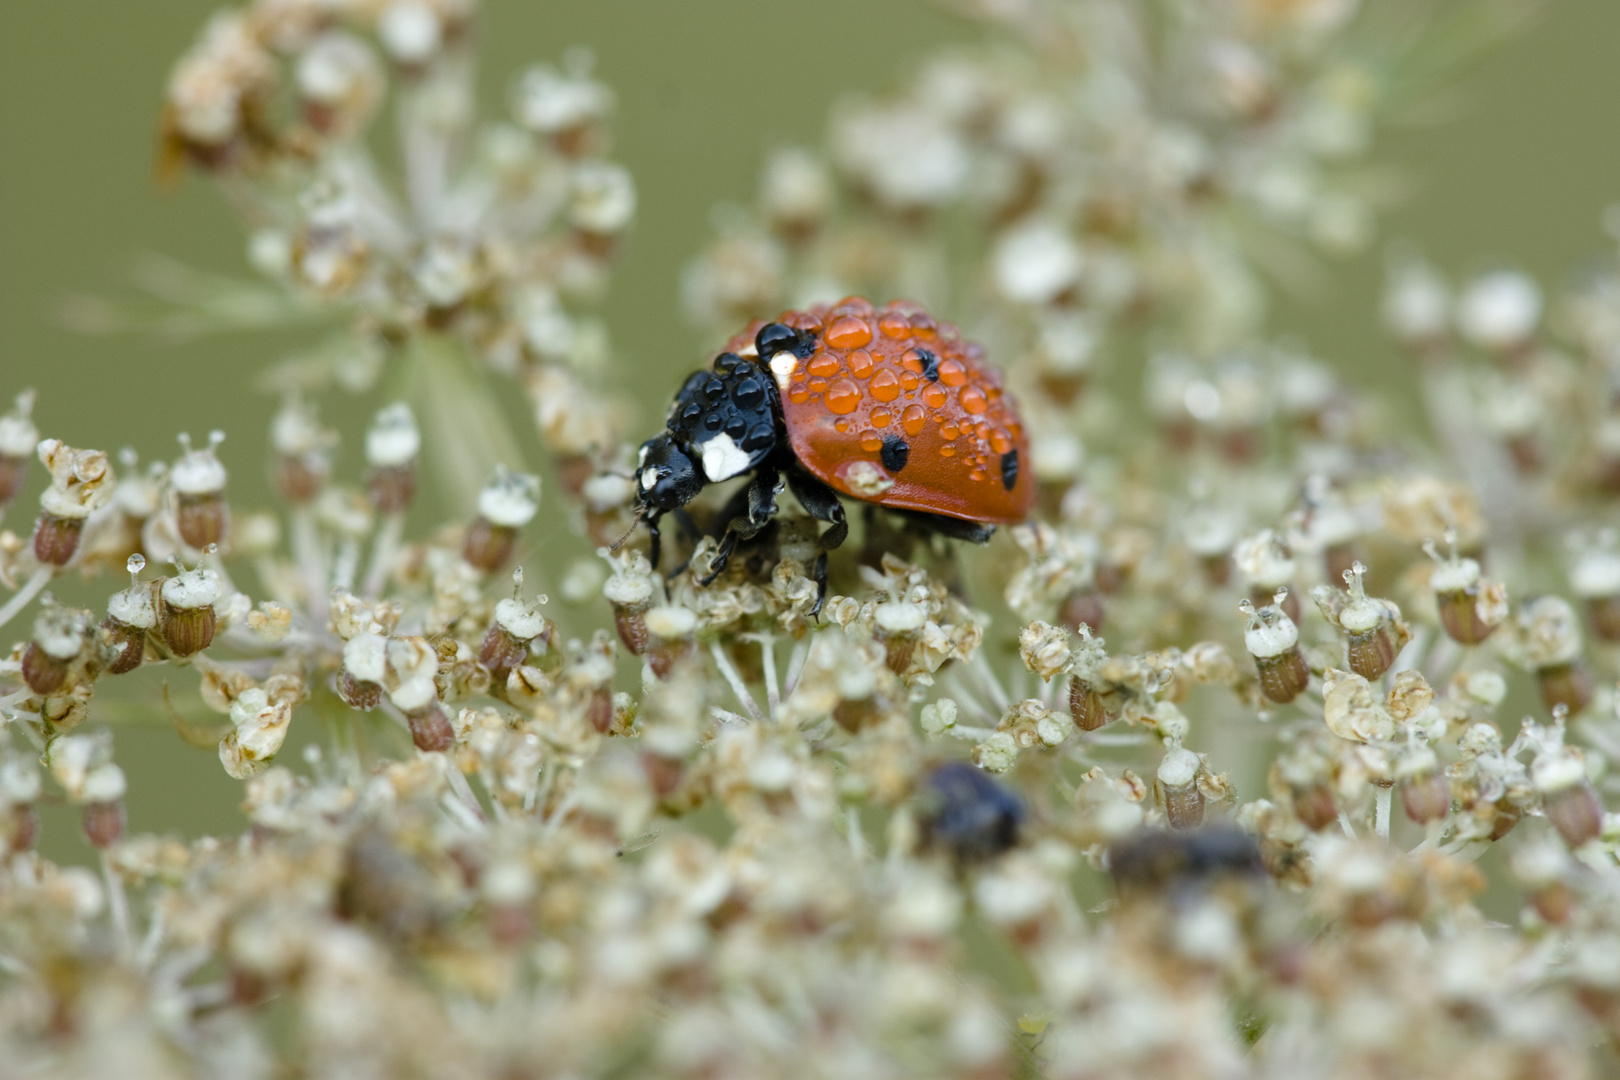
(782,365)
(649,477)
(723,458)
(641,457)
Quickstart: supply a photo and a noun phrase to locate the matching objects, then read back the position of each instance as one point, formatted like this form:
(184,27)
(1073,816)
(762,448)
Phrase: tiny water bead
(885,384)
(843,396)
(849,333)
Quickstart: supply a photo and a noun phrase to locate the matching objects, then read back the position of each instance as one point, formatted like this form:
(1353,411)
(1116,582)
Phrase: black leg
(821,502)
(761,499)
(656,540)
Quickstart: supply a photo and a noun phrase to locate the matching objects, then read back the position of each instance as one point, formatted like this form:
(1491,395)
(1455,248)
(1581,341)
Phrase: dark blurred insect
(968,814)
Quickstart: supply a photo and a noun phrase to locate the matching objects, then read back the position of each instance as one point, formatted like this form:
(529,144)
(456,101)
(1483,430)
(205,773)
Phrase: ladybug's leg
(761,491)
(820,502)
(655,540)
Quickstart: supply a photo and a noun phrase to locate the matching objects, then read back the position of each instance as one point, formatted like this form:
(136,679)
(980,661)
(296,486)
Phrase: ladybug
(883,405)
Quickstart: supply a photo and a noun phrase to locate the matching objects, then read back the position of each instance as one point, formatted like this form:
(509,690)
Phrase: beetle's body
(884,406)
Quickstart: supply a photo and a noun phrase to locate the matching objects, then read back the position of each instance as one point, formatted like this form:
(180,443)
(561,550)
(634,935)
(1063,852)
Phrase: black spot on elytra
(930,364)
(1009,469)
(895,452)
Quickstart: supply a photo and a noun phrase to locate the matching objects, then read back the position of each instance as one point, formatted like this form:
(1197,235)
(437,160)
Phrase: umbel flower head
(1043,807)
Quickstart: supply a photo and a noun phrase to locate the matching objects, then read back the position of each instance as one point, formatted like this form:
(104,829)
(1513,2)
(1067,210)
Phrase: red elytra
(869,379)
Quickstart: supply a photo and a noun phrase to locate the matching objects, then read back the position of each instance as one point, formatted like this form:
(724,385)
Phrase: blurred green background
(1518,169)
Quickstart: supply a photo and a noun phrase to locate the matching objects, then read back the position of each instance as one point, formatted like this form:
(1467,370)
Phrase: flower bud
(103,794)
(604,201)
(198,483)
(130,614)
(56,538)
(898,625)
(58,640)
(1568,799)
(565,107)
(187,611)
(671,637)
(18,437)
(1315,806)
(1543,870)
(81,482)
(1416,306)
(431,730)
(19,791)
(1082,607)
(411,33)
(607,496)
(365,666)
(303,452)
(1550,640)
(260,729)
(630,592)
(339,84)
(392,444)
(1267,565)
(1595,578)
(1210,534)
(103,823)
(1470,608)
(508,502)
(1085,680)
(1425,794)
(1272,639)
(1178,787)
(517,625)
(1374,632)
(1499,311)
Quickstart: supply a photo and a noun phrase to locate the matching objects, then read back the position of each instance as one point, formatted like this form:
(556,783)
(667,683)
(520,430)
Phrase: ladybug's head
(666,479)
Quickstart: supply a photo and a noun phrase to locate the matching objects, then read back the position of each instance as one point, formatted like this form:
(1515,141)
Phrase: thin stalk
(20,599)
(723,662)
(383,553)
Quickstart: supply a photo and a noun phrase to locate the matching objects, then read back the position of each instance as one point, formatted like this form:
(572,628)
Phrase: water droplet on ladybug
(885,385)
(973,400)
(759,436)
(913,420)
(849,333)
(749,393)
(775,337)
(860,363)
(952,372)
(843,396)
